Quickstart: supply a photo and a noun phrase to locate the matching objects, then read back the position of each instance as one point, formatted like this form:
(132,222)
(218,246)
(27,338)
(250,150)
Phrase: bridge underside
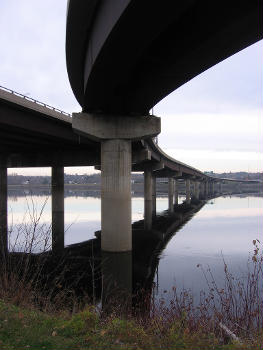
(124,56)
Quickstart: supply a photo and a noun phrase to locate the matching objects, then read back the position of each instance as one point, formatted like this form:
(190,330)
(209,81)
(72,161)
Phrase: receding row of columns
(201,189)
(115,199)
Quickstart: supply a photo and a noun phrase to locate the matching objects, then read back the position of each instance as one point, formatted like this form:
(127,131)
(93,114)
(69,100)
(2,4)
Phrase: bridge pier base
(3,209)
(148,199)
(171,194)
(57,187)
(187,191)
(117,280)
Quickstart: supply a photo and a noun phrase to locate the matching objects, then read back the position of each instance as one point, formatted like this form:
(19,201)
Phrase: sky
(213,122)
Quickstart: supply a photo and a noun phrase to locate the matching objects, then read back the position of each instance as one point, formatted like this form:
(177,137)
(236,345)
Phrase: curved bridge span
(123,56)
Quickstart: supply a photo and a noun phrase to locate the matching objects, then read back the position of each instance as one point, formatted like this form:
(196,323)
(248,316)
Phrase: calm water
(224,227)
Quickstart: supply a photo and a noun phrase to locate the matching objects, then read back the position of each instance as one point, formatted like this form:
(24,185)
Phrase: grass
(22,328)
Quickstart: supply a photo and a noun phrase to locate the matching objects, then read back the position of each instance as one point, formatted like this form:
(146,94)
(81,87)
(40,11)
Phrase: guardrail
(34,101)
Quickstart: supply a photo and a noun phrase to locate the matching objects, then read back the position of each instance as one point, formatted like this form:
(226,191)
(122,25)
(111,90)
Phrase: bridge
(117,75)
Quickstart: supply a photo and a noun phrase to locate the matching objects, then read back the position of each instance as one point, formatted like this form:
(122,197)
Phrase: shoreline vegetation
(40,307)
(36,317)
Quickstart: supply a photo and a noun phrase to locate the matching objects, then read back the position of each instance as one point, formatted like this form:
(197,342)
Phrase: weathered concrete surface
(148,194)
(102,127)
(116,195)
(57,186)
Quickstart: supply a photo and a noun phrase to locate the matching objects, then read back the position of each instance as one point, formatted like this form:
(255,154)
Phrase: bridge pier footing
(3,209)
(57,186)
(148,199)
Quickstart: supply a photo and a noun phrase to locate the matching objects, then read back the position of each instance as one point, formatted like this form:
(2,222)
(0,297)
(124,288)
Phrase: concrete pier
(115,133)
(206,193)
(116,195)
(57,188)
(196,189)
(3,209)
(148,199)
(187,191)
(171,194)
(153,196)
(176,192)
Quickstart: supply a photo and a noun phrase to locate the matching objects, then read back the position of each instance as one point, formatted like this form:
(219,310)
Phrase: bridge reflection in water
(117,280)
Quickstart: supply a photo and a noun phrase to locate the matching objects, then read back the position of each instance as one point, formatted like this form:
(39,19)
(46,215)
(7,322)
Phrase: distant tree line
(15,179)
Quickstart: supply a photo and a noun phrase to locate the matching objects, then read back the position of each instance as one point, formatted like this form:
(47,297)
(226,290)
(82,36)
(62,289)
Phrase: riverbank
(25,328)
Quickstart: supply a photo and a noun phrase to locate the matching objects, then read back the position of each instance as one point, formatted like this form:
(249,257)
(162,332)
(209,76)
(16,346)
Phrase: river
(222,230)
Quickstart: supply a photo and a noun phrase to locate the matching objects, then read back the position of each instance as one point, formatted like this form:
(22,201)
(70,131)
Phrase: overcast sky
(214,122)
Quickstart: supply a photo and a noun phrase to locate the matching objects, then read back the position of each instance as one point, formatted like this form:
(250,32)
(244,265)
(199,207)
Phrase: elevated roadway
(123,57)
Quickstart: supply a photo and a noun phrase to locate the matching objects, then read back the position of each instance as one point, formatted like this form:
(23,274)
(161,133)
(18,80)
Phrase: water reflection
(165,257)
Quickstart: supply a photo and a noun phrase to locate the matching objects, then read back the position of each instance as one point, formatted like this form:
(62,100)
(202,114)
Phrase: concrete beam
(103,127)
(141,156)
(57,187)
(152,166)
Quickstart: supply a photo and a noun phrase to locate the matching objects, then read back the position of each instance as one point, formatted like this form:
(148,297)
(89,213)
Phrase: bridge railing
(34,101)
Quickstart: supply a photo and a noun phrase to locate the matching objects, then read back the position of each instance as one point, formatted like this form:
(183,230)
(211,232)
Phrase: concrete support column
(176,192)
(187,191)
(220,187)
(57,184)
(205,189)
(201,190)
(212,188)
(171,194)
(3,209)
(116,195)
(196,189)
(153,196)
(148,194)
(116,132)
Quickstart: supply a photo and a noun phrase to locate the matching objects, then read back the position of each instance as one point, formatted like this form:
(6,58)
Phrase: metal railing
(34,101)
